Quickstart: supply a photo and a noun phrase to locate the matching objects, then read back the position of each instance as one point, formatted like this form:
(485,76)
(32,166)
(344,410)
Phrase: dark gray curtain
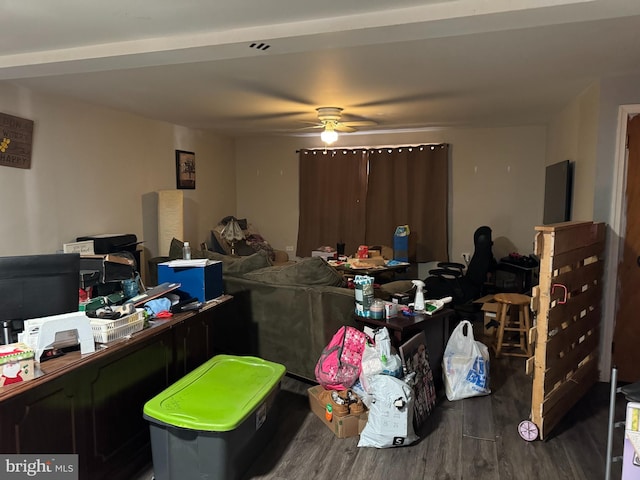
(409,186)
(333,192)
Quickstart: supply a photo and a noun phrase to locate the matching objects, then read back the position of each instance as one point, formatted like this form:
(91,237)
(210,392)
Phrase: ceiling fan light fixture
(329,135)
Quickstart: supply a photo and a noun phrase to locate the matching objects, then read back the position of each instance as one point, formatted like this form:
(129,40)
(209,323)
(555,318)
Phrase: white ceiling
(401,63)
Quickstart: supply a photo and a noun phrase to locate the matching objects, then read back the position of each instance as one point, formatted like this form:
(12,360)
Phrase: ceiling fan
(329,121)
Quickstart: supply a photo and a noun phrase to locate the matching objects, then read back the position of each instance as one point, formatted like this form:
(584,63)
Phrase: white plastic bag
(465,366)
(390,422)
(379,358)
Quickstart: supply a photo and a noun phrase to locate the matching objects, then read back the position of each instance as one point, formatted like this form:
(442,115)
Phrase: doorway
(615,296)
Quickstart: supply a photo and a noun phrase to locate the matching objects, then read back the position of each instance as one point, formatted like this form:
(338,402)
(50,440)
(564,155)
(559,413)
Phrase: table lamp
(232,233)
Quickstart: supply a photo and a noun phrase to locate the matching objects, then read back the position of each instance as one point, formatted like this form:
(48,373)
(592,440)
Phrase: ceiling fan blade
(263,116)
(271,91)
(409,98)
(341,127)
(363,123)
(311,127)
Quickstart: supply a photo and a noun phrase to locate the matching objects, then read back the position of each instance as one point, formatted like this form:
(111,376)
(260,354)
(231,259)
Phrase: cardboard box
(203,282)
(372,261)
(322,254)
(342,426)
(490,309)
(390,309)
(16,362)
(375,252)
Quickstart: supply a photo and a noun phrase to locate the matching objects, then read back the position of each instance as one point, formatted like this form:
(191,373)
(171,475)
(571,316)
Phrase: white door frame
(617,216)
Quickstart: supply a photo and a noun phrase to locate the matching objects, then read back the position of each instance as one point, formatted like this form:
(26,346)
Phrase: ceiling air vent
(259,46)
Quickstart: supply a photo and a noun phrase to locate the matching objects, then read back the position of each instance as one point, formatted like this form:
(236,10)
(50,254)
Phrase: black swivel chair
(464,286)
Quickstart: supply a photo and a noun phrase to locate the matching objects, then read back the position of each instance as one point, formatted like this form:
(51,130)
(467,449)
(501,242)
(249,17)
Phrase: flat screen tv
(33,286)
(558,185)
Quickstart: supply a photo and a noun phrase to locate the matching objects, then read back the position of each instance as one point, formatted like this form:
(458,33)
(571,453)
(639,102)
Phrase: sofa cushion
(240,266)
(236,266)
(308,271)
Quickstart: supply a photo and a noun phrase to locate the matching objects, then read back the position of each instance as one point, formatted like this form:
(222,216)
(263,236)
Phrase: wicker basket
(105,331)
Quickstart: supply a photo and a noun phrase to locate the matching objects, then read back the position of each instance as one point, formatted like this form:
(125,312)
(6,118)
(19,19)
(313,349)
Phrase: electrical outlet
(289,248)
(466,257)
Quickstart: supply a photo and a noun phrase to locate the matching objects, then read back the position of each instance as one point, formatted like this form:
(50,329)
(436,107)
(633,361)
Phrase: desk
(91,405)
(436,328)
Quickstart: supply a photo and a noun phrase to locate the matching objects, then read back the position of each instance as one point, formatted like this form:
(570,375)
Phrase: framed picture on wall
(185,169)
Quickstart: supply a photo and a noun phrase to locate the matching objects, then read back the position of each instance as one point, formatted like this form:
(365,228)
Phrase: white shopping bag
(379,358)
(465,366)
(390,422)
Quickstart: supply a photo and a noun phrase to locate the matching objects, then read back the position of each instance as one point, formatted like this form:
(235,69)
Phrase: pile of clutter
(365,390)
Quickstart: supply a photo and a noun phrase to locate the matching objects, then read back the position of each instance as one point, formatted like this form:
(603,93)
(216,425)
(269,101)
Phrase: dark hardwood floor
(474,438)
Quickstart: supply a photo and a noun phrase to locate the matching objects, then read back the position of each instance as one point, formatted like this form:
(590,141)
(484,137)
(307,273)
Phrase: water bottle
(186,251)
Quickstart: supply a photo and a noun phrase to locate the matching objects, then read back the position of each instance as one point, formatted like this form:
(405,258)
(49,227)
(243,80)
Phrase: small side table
(402,328)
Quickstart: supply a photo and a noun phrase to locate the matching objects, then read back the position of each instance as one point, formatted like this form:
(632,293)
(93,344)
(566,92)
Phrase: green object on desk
(99,302)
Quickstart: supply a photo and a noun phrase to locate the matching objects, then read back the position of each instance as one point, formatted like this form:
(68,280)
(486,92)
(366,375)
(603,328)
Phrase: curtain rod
(324,149)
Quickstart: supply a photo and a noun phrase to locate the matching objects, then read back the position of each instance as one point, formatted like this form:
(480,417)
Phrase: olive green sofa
(283,313)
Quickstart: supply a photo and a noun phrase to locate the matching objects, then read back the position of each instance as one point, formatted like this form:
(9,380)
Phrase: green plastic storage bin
(214,421)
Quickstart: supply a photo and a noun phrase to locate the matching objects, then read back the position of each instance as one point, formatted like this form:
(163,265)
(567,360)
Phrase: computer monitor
(33,286)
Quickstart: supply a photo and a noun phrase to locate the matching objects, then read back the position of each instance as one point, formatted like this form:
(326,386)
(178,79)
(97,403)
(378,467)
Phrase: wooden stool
(507,323)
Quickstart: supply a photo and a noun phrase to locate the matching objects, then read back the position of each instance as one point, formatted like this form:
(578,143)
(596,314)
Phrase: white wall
(95,170)
(573,135)
(587,132)
(497,180)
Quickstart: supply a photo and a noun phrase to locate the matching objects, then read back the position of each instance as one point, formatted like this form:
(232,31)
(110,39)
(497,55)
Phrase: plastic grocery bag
(378,358)
(465,366)
(390,422)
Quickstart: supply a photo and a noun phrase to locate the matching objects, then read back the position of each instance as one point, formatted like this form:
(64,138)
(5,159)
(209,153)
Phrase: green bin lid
(218,395)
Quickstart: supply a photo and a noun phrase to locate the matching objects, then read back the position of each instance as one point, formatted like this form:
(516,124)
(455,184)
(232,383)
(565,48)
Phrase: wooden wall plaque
(16,139)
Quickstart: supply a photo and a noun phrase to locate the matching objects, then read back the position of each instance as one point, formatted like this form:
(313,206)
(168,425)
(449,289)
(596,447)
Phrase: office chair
(464,286)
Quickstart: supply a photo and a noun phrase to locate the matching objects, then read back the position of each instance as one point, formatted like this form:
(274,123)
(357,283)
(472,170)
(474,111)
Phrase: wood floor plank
(479,459)
(511,402)
(304,448)
(583,429)
(440,445)
(478,418)
(520,459)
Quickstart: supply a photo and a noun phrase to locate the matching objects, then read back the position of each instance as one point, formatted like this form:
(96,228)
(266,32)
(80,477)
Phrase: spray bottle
(418,303)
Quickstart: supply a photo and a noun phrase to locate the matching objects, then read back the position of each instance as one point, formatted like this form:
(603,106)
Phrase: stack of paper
(196,262)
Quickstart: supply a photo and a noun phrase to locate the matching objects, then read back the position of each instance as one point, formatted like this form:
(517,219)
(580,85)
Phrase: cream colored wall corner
(497,180)
(573,135)
(96,170)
